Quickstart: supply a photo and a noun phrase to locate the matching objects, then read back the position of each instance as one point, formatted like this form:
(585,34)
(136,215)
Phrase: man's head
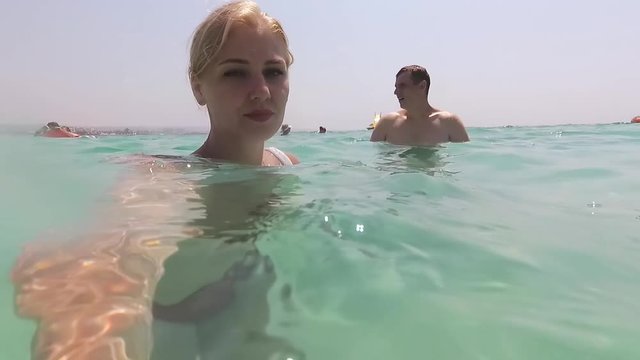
(412,83)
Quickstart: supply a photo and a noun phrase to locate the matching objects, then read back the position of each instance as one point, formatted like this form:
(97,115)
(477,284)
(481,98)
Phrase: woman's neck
(231,148)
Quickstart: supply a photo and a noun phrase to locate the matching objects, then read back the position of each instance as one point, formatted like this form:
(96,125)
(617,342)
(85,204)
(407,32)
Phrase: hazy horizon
(495,63)
(174,129)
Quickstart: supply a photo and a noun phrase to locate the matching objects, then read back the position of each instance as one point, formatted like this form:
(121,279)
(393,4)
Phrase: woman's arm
(92,298)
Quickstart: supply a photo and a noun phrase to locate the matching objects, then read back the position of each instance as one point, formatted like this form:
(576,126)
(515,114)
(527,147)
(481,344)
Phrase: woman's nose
(259,89)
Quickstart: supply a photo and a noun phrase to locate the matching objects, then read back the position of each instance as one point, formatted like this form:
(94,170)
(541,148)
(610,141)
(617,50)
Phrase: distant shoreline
(107,130)
(142,130)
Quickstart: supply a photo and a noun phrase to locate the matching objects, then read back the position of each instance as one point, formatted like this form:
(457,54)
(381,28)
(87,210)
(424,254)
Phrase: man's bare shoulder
(384,125)
(392,117)
(454,125)
(445,116)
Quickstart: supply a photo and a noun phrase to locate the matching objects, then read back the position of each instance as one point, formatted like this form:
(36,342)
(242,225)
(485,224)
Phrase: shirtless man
(417,122)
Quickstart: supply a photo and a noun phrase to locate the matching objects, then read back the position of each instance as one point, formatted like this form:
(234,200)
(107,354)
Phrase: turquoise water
(522,244)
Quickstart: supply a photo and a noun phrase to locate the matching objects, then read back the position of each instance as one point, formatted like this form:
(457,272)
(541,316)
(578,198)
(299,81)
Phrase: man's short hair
(418,73)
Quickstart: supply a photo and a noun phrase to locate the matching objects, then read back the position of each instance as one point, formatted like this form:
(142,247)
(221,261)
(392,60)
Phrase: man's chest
(423,133)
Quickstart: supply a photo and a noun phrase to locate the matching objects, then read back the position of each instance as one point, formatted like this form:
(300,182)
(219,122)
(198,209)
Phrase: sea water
(521,244)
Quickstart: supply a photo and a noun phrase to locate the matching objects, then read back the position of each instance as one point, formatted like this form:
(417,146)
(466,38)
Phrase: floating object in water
(636,120)
(373,124)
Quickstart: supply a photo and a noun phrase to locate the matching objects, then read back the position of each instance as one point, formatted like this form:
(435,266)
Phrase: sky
(492,62)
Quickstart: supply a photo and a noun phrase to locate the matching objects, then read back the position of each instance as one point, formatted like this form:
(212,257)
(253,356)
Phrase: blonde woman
(135,290)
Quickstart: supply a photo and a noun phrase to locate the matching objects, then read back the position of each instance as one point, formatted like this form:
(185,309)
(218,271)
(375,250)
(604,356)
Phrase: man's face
(406,91)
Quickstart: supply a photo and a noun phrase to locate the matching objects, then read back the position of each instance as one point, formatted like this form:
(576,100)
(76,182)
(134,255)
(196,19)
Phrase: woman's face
(246,86)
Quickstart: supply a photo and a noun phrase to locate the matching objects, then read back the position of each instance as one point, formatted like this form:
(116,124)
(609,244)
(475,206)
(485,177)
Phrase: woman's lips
(259,115)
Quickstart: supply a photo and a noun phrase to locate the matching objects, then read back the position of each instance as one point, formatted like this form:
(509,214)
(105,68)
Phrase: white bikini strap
(281,156)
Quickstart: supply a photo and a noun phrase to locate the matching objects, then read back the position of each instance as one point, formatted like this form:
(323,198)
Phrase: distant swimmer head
(238,69)
(412,83)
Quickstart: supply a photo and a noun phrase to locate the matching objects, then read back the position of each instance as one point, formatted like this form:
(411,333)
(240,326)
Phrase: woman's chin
(263,131)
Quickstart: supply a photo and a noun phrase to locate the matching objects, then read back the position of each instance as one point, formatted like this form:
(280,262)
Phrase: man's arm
(380,130)
(457,131)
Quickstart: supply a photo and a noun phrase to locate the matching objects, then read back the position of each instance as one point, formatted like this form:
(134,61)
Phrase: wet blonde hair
(213,32)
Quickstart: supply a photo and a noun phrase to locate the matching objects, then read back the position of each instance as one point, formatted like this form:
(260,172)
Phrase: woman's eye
(273,72)
(234,73)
